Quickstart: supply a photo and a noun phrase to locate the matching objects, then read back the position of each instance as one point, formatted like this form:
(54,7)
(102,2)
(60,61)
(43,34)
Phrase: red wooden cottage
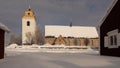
(3,29)
(110,31)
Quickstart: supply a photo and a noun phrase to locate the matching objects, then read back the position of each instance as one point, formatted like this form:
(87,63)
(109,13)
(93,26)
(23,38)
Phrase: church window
(92,42)
(28,23)
(29,9)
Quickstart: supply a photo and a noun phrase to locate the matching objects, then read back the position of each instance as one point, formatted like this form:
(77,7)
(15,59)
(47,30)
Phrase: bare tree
(12,39)
(15,39)
(39,36)
(30,38)
(19,40)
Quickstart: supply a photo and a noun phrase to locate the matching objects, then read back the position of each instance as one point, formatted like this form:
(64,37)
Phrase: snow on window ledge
(113,32)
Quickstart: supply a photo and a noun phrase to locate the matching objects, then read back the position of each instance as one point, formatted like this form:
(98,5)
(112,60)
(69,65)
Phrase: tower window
(29,9)
(28,13)
(28,23)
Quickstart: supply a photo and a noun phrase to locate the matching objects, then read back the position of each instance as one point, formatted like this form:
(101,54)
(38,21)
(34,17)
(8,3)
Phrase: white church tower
(28,25)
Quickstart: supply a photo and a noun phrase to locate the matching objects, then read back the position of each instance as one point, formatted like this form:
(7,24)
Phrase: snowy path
(58,60)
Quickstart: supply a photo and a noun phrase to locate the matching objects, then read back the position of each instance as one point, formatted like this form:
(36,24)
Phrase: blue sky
(53,12)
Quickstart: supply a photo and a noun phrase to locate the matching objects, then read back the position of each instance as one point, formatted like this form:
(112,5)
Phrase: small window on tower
(28,23)
(28,13)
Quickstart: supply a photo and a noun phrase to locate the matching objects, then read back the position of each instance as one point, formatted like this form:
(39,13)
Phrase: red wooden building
(110,31)
(3,29)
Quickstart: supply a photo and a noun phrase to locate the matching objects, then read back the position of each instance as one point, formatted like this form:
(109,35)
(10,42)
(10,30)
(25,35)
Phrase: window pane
(111,40)
(28,23)
(115,40)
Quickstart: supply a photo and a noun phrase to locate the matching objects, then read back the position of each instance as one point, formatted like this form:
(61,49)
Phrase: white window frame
(118,39)
(106,41)
(112,34)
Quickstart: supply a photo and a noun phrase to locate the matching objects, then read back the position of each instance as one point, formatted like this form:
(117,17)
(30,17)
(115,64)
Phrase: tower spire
(29,7)
(29,4)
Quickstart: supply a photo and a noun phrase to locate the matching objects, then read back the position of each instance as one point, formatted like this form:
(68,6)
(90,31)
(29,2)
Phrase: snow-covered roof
(74,31)
(3,27)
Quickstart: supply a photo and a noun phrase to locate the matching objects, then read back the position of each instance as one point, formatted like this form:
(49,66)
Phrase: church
(56,34)
(71,35)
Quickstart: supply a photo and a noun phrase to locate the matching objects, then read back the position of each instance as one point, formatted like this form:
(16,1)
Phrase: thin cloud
(80,12)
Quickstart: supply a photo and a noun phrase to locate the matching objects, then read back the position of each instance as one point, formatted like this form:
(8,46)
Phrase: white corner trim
(118,39)
(106,41)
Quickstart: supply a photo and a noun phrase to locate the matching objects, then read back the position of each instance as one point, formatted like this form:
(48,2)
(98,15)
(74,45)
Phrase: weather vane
(29,4)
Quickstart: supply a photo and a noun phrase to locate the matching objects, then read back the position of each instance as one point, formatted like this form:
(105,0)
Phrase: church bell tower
(28,25)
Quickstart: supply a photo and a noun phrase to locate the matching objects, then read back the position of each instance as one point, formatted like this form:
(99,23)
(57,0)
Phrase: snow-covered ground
(15,59)
(28,58)
(51,48)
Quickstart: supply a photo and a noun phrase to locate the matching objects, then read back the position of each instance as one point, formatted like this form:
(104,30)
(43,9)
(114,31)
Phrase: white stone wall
(31,28)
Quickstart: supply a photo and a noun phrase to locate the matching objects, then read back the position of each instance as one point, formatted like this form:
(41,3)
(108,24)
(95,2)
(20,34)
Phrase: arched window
(28,23)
